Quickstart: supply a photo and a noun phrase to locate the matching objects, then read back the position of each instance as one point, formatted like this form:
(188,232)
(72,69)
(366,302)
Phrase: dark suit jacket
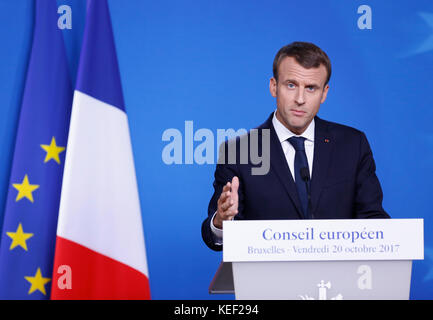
(344,184)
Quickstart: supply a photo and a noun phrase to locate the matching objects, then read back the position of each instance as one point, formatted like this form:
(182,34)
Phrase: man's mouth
(297,112)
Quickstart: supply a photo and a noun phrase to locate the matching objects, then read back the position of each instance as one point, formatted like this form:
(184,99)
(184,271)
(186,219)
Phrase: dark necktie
(300,162)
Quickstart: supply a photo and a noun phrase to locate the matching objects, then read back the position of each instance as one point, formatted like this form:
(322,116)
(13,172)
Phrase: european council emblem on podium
(323,287)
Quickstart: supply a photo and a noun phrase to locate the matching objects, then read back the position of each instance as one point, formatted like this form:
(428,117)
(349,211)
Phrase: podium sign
(323,240)
(319,259)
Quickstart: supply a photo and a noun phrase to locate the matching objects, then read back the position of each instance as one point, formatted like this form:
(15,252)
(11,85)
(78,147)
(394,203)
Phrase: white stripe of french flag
(99,234)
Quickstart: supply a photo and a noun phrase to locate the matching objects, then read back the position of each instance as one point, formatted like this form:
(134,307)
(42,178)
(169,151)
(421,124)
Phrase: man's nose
(300,99)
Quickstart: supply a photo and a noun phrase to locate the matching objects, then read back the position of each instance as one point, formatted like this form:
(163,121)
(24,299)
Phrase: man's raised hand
(228,203)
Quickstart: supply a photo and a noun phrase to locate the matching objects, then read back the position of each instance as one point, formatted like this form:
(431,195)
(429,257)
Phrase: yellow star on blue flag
(52,151)
(25,189)
(19,238)
(37,282)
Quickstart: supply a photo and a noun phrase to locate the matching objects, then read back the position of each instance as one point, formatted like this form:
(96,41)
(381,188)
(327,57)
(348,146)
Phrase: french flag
(100,250)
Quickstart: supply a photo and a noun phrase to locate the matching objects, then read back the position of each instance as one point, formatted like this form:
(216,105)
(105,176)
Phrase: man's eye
(291,86)
(311,88)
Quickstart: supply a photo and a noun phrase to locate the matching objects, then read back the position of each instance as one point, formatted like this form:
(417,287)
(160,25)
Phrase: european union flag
(30,218)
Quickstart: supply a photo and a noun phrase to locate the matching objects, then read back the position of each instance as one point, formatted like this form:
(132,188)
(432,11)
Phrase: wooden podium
(319,259)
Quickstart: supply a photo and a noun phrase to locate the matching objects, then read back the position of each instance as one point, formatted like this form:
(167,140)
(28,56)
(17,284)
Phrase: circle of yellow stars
(19,237)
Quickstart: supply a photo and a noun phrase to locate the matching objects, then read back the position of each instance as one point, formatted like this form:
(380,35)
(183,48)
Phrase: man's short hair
(306,54)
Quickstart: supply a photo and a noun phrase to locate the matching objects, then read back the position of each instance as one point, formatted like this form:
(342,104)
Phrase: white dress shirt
(289,151)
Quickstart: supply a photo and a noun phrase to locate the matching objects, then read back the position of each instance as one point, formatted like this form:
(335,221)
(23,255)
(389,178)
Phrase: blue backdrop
(210,62)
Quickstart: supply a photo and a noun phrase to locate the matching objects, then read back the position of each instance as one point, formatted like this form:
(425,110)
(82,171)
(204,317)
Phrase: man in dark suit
(338,158)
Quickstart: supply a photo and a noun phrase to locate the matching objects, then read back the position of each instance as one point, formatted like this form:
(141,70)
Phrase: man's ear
(325,93)
(273,87)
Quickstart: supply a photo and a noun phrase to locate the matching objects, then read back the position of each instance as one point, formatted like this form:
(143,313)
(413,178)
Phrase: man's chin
(298,127)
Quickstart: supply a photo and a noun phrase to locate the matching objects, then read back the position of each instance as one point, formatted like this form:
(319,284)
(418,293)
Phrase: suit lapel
(280,166)
(323,146)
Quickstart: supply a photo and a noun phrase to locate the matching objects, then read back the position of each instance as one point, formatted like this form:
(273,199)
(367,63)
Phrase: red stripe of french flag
(95,276)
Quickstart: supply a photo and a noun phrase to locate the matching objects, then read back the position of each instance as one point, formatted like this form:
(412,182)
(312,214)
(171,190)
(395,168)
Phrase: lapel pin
(327,140)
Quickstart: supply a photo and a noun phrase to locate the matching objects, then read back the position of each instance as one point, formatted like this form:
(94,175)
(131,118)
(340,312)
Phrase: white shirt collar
(283,133)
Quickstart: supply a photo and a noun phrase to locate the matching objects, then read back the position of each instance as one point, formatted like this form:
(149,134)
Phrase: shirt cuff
(216,232)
